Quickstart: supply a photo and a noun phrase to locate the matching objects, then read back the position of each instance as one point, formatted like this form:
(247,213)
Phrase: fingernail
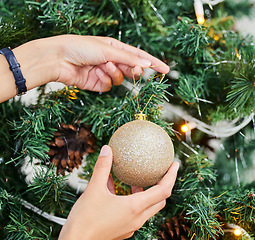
(105,151)
(111,67)
(145,63)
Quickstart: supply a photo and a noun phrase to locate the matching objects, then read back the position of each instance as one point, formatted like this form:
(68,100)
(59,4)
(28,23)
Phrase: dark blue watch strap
(15,68)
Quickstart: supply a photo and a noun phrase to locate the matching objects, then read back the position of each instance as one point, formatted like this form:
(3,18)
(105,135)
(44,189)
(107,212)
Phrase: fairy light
(200,20)
(184,128)
(199,10)
(188,126)
(237,232)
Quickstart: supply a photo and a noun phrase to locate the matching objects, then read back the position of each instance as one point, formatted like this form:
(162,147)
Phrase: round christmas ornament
(142,152)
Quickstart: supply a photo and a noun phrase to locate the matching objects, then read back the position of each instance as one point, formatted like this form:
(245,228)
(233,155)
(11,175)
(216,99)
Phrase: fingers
(116,72)
(155,62)
(93,79)
(102,77)
(131,72)
(104,84)
(116,55)
(113,72)
(103,166)
(161,191)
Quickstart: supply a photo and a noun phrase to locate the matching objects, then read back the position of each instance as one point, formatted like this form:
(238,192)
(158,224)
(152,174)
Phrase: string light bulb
(237,232)
(200,20)
(184,128)
(199,10)
(188,126)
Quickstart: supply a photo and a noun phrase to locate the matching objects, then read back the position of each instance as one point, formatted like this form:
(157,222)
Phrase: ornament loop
(140,116)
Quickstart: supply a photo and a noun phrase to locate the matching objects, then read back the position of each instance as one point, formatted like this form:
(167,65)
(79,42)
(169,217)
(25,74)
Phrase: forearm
(38,63)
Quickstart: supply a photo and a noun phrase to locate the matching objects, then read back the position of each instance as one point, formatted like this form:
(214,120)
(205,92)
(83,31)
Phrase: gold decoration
(70,92)
(140,116)
(142,153)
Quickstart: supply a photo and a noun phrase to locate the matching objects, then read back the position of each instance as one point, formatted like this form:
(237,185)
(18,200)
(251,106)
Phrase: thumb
(103,166)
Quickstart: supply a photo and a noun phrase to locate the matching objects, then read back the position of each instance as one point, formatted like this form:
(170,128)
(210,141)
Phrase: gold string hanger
(140,115)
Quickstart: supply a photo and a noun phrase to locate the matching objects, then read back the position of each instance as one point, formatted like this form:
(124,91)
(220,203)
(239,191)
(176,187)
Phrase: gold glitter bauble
(142,153)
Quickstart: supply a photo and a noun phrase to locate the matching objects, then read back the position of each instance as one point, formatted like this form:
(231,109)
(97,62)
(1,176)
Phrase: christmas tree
(205,103)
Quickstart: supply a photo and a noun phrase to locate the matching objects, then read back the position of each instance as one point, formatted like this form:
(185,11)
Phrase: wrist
(38,62)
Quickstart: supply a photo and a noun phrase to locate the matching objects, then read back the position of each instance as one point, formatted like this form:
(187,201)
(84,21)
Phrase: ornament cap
(140,116)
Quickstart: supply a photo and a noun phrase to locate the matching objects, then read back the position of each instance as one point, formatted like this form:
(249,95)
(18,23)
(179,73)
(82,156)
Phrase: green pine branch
(202,214)
(50,190)
(178,38)
(64,14)
(213,62)
(193,195)
(198,175)
(191,88)
(105,110)
(18,223)
(238,207)
(190,40)
(9,111)
(35,129)
(23,227)
(242,93)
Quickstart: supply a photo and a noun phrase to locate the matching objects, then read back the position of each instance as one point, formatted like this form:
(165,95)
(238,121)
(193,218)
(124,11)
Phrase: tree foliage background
(211,82)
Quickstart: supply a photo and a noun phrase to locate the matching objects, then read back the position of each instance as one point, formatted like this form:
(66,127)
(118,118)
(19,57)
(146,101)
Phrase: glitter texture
(142,153)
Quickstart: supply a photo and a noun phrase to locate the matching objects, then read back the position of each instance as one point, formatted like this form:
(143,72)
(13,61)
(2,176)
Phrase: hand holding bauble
(142,153)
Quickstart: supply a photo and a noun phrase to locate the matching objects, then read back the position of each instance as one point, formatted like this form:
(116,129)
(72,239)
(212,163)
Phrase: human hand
(96,63)
(88,62)
(100,214)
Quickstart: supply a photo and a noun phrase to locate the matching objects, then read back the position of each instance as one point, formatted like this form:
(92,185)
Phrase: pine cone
(176,228)
(69,145)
